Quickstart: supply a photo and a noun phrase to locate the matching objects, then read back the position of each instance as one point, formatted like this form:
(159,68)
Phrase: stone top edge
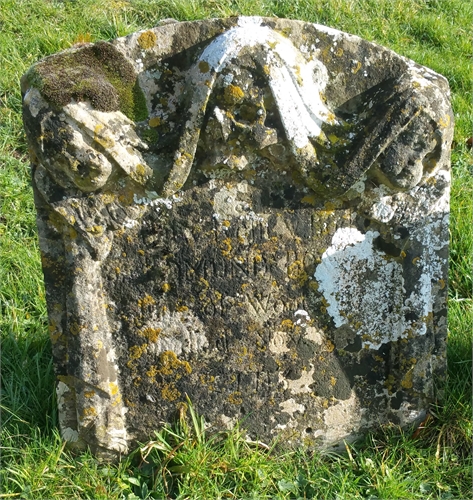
(129,45)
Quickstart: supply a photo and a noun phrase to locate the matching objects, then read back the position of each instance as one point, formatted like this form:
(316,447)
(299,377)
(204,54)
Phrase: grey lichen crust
(252,212)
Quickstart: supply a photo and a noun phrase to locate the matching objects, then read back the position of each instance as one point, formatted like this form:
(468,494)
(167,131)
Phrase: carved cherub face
(82,162)
(402,163)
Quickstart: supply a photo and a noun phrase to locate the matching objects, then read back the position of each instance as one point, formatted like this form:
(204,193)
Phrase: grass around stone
(186,460)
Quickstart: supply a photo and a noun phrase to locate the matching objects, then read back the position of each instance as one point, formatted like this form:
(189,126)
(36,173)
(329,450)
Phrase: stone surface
(250,211)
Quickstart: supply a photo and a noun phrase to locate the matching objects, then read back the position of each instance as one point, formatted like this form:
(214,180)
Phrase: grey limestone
(250,212)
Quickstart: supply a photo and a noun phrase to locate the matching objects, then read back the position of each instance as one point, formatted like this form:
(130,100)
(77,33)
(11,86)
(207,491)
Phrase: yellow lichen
(296,272)
(147,40)
(154,122)
(140,173)
(169,363)
(444,122)
(208,381)
(152,372)
(89,412)
(136,351)
(95,230)
(105,142)
(329,345)
(140,169)
(389,383)
(169,392)
(113,388)
(287,323)
(150,333)
(310,199)
(235,398)
(227,247)
(233,94)
(204,66)
(147,300)
(75,328)
(313,285)
(407,382)
(356,68)
(166,287)
(117,400)
(55,336)
(108,198)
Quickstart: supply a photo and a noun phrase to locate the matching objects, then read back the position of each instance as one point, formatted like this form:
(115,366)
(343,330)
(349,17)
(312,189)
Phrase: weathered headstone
(250,211)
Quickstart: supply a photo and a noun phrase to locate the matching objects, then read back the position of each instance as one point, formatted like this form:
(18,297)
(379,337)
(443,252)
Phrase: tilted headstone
(252,212)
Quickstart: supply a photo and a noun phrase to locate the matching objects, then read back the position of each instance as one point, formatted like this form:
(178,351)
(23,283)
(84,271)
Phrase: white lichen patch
(179,332)
(300,385)
(362,288)
(149,86)
(226,421)
(153,200)
(433,240)
(335,34)
(277,344)
(69,435)
(230,202)
(290,406)
(314,335)
(365,289)
(295,82)
(301,317)
(408,414)
(342,419)
(382,211)
(34,101)
(61,390)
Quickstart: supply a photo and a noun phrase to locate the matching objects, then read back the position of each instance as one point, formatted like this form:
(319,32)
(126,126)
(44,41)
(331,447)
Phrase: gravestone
(252,212)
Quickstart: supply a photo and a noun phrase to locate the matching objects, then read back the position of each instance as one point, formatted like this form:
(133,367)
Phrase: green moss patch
(97,73)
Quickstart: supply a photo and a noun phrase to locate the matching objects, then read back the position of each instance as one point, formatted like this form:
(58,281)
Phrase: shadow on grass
(28,396)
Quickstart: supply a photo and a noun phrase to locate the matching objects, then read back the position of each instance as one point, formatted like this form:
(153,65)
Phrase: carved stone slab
(252,212)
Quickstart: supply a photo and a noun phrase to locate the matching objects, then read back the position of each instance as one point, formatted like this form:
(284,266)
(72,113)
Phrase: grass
(185,460)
